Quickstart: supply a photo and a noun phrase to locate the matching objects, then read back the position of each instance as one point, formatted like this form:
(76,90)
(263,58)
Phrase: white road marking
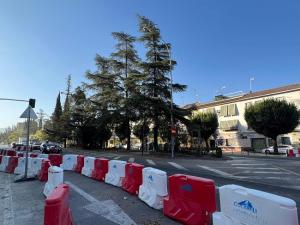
(256,168)
(268,172)
(131,160)
(177,166)
(117,157)
(107,209)
(248,164)
(216,171)
(151,162)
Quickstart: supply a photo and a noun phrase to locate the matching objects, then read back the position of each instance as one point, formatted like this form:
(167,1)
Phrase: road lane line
(151,162)
(265,172)
(248,164)
(177,166)
(256,168)
(117,157)
(131,160)
(216,171)
(107,208)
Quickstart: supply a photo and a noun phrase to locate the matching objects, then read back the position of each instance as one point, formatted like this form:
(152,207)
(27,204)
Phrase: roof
(249,96)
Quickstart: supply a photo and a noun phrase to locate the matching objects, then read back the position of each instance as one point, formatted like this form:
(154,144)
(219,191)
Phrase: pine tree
(156,87)
(125,62)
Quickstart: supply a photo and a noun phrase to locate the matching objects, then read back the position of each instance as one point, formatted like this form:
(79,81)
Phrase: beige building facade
(233,133)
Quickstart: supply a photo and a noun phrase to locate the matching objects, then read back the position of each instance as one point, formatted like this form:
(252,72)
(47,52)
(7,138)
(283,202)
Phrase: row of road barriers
(188,199)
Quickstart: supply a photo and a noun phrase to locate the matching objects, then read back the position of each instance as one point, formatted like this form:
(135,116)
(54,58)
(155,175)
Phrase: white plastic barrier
(88,167)
(154,187)
(243,206)
(69,162)
(55,178)
(35,166)
(4,163)
(116,172)
(20,169)
(44,156)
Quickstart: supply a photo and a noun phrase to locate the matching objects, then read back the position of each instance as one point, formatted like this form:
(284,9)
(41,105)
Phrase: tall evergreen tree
(66,114)
(125,62)
(156,68)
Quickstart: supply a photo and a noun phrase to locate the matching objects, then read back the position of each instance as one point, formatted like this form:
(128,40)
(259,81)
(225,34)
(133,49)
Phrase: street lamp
(173,129)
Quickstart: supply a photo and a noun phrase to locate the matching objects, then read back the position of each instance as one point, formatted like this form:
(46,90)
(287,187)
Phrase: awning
(229,125)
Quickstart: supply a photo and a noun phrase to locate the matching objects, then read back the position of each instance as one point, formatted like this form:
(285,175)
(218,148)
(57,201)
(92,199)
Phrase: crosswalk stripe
(131,160)
(117,157)
(248,164)
(268,172)
(151,162)
(256,168)
(177,166)
(216,171)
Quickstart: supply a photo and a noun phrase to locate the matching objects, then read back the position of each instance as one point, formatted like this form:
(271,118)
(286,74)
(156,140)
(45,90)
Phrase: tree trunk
(275,146)
(65,142)
(155,137)
(128,135)
(207,145)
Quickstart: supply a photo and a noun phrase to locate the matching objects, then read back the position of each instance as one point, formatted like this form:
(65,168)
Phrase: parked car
(50,147)
(282,149)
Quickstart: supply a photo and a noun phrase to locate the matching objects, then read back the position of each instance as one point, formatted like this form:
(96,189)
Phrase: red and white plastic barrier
(79,164)
(57,209)
(4,163)
(133,178)
(116,172)
(43,174)
(12,164)
(154,187)
(89,163)
(100,169)
(55,159)
(244,206)
(55,178)
(191,200)
(69,162)
(20,169)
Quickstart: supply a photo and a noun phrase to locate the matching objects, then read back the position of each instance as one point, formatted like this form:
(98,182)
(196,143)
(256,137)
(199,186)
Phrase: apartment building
(233,133)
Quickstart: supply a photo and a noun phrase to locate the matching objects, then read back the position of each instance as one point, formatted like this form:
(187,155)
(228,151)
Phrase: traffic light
(32,102)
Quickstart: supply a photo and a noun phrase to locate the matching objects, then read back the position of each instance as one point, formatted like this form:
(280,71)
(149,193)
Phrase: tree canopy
(272,117)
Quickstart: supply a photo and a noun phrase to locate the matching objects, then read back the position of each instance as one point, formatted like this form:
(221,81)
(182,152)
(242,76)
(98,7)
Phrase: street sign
(29,114)
(173,130)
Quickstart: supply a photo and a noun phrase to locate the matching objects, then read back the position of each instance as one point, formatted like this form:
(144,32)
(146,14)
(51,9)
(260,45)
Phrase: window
(285,140)
(229,125)
(229,110)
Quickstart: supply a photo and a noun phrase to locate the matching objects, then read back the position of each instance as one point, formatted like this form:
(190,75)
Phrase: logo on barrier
(150,178)
(187,187)
(114,166)
(246,205)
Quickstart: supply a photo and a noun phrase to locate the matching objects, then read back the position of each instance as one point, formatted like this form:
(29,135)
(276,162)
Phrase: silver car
(282,149)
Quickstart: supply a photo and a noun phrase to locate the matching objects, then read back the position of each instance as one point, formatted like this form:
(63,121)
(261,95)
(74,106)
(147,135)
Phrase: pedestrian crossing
(151,162)
(177,166)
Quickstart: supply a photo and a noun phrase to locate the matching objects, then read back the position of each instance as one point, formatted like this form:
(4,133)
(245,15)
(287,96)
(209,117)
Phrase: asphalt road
(279,176)
(97,203)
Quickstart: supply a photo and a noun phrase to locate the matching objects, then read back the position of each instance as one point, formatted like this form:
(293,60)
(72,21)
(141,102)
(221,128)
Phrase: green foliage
(206,123)
(141,130)
(272,117)
(40,135)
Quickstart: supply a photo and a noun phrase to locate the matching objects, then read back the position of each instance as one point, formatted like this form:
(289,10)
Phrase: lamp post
(173,129)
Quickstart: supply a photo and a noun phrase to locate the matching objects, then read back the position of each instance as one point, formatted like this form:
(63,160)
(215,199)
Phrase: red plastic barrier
(191,200)
(100,169)
(20,154)
(43,175)
(55,159)
(33,155)
(291,153)
(57,210)
(133,178)
(12,164)
(11,153)
(80,163)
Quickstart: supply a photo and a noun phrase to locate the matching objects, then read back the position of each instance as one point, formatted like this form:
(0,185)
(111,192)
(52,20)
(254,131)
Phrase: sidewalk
(21,203)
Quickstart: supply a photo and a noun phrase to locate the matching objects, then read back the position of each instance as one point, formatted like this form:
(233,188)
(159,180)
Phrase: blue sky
(216,43)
